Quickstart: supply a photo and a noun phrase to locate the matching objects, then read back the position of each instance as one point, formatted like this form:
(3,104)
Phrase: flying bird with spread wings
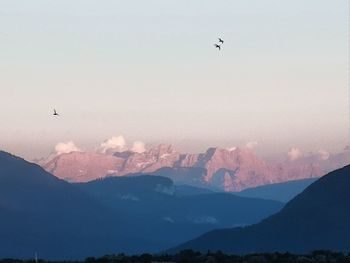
(55,113)
(217,46)
(221,40)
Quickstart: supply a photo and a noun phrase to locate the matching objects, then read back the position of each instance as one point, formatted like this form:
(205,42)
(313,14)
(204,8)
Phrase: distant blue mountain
(186,190)
(282,192)
(41,213)
(318,218)
(156,202)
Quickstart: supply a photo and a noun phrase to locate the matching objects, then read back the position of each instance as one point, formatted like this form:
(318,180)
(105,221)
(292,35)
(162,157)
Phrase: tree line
(190,256)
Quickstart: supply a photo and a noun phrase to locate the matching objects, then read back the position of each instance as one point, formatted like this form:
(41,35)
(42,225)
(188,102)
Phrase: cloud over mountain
(138,147)
(113,144)
(66,147)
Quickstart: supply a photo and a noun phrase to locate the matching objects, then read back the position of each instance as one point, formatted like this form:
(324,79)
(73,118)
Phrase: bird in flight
(221,40)
(55,113)
(217,46)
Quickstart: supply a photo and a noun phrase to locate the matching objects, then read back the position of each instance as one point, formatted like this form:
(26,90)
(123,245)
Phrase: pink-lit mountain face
(82,166)
(221,169)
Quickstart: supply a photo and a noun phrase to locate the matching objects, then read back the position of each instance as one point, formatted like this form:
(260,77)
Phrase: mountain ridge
(59,220)
(229,170)
(315,219)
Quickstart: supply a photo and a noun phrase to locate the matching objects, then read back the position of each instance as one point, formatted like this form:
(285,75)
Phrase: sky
(148,70)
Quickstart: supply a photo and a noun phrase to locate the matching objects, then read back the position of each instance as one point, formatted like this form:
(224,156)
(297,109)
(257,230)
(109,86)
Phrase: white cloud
(251,145)
(138,147)
(294,154)
(114,144)
(324,155)
(66,147)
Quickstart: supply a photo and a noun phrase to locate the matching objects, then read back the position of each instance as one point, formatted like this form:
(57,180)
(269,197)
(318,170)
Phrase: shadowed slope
(318,218)
(40,213)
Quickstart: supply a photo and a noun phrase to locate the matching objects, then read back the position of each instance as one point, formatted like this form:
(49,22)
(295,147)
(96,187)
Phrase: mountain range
(229,170)
(43,214)
(318,218)
(139,213)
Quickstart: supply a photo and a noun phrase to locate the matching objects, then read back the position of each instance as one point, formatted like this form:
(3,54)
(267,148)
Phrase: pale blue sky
(148,70)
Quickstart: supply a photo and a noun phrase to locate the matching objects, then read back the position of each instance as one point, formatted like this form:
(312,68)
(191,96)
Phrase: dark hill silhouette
(43,214)
(318,218)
